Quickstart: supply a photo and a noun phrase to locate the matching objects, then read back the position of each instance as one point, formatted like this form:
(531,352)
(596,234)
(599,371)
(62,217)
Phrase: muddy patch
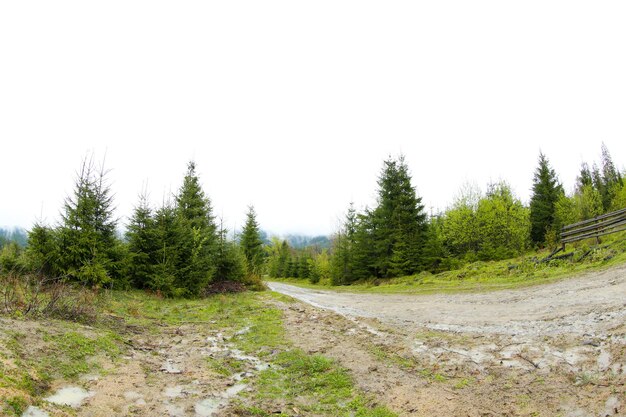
(417,371)
(70,396)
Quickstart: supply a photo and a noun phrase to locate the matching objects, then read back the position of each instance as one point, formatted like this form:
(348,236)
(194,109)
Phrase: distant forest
(181,249)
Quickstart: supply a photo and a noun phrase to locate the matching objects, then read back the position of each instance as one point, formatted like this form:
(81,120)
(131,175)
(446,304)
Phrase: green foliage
(143,247)
(546,192)
(197,243)
(611,181)
(585,204)
(167,236)
(320,268)
(342,261)
(460,226)
(41,252)
(16,235)
(231,263)
(10,257)
(86,237)
(435,253)
(251,243)
(399,222)
(492,227)
(503,224)
(329,387)
(619,201)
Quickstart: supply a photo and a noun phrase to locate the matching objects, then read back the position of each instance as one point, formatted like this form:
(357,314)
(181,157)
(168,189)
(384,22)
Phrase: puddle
(206,408)
(33,411)
(243,331)
(234,390)
(170,368)
(174,392)
(70,396)
(604,361)
(258,364)
(174,410)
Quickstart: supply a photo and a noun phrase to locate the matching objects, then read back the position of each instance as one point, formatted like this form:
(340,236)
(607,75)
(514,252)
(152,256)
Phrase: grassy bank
(527,270)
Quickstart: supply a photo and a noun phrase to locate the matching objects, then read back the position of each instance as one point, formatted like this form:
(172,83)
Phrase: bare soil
(551,350)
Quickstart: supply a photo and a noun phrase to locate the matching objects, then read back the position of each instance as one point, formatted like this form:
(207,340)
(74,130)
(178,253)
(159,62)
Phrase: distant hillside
(302,241)
(16,234)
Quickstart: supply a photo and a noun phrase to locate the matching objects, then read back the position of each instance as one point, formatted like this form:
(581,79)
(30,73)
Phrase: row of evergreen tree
(179,249)
(176,249)
(396,238)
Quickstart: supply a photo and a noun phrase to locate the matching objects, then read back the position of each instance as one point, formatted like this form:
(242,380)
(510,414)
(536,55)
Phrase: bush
(36,296)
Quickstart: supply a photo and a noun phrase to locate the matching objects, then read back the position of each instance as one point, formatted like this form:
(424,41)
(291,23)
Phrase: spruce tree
(251,243)
(141,236)
(230,260)
(611,180)
(198,240)
(87,240)
(284,255)
(399,222)
(584,178)
(546,192)
(167,241)
(41,250)
(342,260)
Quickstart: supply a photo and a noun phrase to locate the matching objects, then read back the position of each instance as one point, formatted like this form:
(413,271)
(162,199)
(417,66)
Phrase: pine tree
(142,245)
(434,250)
(230,261)
(42,252)
(611,179)
(304,267)
(198,243)
(399,222)
(584,178)
(546,192)
(251,243)
(87,239)
(342,262)
(284,256)
(167,241)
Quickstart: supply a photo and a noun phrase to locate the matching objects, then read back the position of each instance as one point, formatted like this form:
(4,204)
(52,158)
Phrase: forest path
(593,304)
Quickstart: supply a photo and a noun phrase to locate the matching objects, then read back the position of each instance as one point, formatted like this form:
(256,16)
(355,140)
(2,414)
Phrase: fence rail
(594,228)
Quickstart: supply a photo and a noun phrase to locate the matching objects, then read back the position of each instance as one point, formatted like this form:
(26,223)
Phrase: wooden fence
(594,228)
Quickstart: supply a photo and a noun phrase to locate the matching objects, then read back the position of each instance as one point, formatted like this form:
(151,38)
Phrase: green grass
(313,385)
(493,275)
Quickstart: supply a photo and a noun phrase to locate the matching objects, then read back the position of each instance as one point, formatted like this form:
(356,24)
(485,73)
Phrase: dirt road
(592,305)
(553,350)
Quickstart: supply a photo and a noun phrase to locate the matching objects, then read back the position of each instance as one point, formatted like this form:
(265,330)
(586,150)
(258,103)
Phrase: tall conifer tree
(198,244)
(87,239)
(142,244)
(251,243)
(546,192)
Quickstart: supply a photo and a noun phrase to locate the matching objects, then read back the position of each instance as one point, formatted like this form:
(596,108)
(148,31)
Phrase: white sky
(292,106)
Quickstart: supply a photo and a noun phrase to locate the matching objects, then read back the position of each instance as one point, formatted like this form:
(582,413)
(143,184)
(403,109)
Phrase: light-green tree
(503,224)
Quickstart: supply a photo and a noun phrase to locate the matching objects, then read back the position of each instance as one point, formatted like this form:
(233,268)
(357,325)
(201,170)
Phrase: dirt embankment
(553,350)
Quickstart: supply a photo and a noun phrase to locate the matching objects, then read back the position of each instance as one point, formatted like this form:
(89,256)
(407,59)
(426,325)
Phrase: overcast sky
(292,106)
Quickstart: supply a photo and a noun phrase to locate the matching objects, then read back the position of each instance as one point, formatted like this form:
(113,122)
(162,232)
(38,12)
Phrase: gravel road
(592,304)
